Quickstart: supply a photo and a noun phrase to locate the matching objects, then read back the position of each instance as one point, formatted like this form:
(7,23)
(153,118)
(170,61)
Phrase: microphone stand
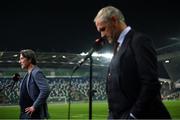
(90,85)
(97,46)
(69,98)
(90,88)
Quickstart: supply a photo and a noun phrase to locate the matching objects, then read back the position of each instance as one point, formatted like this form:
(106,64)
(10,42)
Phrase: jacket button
(109,76)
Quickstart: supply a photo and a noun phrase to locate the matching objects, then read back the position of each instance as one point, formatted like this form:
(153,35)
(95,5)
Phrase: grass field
(80,110)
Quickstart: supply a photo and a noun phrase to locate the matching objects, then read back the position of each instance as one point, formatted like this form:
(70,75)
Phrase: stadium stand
(59,89)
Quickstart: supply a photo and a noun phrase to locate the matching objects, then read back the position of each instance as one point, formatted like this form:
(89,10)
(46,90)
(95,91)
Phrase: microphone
(16,78)
(98,44)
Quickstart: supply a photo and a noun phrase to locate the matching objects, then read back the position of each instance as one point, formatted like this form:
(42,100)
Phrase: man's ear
(30,60)
(114,19)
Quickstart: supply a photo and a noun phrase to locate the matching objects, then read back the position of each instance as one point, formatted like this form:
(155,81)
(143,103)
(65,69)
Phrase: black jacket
(132,81)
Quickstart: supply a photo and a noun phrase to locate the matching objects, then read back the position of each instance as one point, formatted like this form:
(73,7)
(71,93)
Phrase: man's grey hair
(107,12)
(30,55)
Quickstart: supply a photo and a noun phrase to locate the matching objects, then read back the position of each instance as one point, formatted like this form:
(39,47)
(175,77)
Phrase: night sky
(67,25)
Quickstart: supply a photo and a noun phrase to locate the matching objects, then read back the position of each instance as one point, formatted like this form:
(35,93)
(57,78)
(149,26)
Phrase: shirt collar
(123,34)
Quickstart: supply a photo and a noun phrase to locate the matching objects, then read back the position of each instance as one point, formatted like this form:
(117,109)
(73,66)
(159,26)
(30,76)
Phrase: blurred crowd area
(79,90)
(60,89)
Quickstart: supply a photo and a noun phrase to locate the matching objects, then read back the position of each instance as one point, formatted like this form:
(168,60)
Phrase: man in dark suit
(34,89)
(133,88)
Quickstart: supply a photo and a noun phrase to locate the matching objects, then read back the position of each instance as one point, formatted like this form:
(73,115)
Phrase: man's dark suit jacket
(38,91)
(132,81)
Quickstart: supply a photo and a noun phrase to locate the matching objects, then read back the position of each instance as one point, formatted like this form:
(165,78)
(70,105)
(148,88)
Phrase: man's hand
(30,110)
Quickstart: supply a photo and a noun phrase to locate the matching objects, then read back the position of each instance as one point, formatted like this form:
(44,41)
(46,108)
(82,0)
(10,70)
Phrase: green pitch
(80,110)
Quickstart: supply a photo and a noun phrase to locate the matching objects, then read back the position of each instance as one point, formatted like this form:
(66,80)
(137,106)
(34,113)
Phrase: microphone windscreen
(99,43)
(16,77)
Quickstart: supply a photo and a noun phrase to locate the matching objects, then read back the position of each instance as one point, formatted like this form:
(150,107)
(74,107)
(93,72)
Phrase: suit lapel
(28,79)
(23,80)
(125,43)
(27,83)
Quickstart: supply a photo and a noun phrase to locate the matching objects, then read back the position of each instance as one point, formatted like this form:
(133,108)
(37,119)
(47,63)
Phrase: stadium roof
(57,59)
(52,60)
(168,57)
